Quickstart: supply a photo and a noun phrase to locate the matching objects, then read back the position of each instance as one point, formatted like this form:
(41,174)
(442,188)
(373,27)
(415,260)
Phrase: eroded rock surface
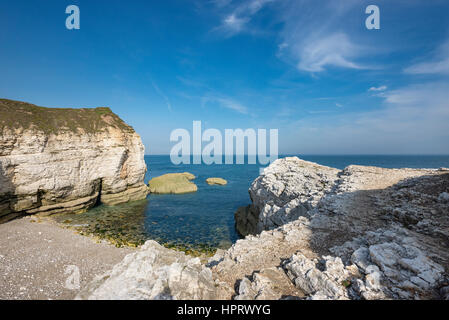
(358,233)
(151,273)
(66,160)
(287,189)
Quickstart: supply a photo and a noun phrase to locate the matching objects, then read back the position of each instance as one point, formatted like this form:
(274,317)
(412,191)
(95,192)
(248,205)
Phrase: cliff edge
(55,160)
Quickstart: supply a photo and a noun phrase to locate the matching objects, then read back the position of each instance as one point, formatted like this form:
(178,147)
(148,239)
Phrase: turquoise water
(206,216)
(205,219)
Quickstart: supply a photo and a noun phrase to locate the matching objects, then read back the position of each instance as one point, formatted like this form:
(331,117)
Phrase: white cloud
(438,65)
(282,46)
(334,50)
(237,20)
(233,105)
(413,120)
(381,88)
(315,35)
(430,97)
(339,105)
(212,96)
(311,35)
(255,5)
(234,24)
(226,103)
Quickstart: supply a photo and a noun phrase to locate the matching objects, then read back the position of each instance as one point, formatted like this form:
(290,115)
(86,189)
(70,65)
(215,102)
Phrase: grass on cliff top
(22,115)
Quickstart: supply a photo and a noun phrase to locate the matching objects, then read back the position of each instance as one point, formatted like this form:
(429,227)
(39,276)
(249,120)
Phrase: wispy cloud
(237,20)
(314,36)
(438,65)
(311,32)
(210,96)
(377,89)
(225,102)
(234,24)
(334,50)
(413,119)
(162,95)
(428,98)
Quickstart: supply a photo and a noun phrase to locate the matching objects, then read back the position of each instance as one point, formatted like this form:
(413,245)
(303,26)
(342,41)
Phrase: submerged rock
(218,181)
(176,183)
(55,160)
(153,273)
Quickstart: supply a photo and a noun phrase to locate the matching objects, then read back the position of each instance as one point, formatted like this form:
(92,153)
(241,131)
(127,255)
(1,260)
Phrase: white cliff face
(68,170)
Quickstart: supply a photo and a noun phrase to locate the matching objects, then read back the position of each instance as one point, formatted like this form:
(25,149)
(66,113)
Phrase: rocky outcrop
(66,160)
(154,273)
(286,190)
(173,183)
(217,181)
(358,233)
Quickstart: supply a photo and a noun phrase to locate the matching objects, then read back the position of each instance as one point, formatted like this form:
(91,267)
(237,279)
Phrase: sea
(204,221)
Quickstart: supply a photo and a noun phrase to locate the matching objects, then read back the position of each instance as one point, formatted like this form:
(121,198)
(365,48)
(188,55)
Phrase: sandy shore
(40,260)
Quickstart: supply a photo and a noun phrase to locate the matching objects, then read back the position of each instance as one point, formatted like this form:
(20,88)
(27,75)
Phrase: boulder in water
(218,181)
(175,183)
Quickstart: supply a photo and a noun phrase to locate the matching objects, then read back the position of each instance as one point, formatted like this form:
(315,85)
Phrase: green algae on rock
(174,183)
(124,226)
(121,225)
(217,181)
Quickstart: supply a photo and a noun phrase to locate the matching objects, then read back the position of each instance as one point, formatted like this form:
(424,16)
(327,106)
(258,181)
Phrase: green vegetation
(21,115)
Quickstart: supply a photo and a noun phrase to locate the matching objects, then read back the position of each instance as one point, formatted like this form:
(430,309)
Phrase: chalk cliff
(55,160)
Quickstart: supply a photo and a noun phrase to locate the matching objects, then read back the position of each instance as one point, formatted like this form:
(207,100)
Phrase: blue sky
(308,68)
